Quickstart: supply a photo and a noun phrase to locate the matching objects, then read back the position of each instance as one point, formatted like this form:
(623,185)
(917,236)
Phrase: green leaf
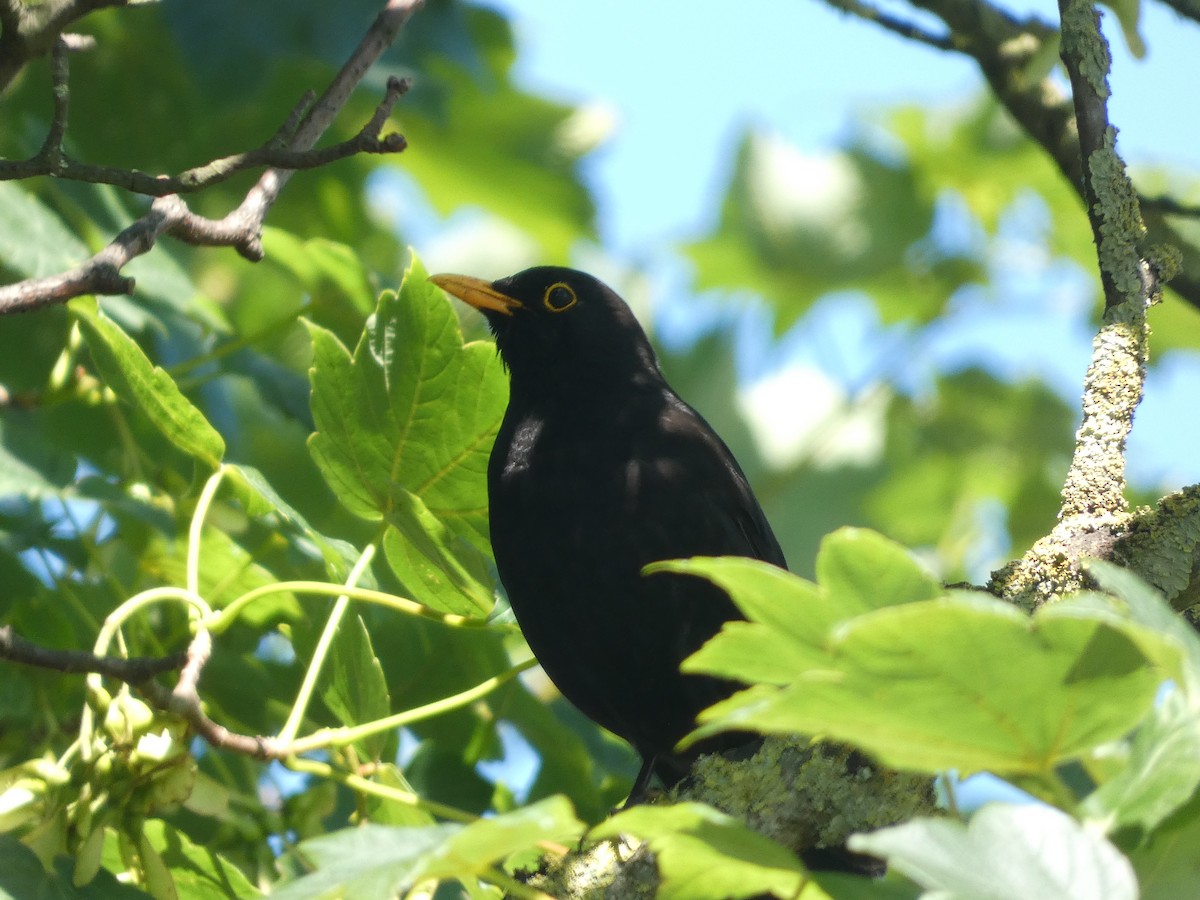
(124,368)
(766,594)
(485,841)
(354,688)
(1167,864)
(378,861)
(960,682)
(862,570)
(702,853)
(1161,774)
(259,499)
(22,877)
(440,568)
(477,123)
(198,872)
(30,465)
(1007,851)
(228,572)
(35,240)
(385,811)
(405,427)
(1128,12)
(1144,605)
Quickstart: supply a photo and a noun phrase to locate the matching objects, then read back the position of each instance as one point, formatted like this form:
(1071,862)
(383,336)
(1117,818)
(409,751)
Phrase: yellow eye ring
(559,297)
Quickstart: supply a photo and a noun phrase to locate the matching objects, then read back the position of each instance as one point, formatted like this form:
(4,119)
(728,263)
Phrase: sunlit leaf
(1006,851)
(137,381)
(405,426)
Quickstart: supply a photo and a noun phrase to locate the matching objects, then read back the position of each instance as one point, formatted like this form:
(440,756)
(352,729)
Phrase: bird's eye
(559,297)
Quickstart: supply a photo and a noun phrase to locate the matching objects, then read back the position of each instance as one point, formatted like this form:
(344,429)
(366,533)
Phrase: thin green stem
(196,529)
(226,616)
(111,629)
(288,733)
(341,737)
(366,786)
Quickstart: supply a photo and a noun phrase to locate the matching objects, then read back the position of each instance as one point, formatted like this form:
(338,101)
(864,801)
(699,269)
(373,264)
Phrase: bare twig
(51,159)
(241,228)
(17,649)
(902,27)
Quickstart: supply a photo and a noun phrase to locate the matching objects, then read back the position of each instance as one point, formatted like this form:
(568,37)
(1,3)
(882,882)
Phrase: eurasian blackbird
(600,468)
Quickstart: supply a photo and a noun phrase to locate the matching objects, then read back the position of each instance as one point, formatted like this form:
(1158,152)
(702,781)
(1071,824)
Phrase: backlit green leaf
(124,368)
(404,429)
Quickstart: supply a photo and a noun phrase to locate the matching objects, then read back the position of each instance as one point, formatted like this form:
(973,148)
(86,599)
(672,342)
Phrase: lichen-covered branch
(241,228)
(1094,511)
(1162,544)
(807,796)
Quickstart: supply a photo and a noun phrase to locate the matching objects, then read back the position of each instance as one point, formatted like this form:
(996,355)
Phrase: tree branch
(1094,512)
(1011,54)
(51,159)
(17,649)
(1188,8)
(241,228)
(894,24)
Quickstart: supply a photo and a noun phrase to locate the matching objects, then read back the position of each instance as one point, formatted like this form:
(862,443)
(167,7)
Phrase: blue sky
(683,79)
(681,82)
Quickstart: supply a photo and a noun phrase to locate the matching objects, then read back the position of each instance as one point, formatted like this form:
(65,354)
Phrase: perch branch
(1114,383)
(241,228)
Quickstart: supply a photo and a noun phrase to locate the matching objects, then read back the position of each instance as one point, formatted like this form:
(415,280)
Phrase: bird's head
(558,326)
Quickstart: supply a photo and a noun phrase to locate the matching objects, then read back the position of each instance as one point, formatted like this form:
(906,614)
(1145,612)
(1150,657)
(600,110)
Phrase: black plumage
(600,468)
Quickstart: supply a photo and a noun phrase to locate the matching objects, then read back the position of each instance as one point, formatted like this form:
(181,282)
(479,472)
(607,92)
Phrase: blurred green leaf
(22,877)
(35,240)
(1002,853)
(227,572)
(199,873)
(30,465)
(794,227)
(1166,861)
(377,861)
(1161,774)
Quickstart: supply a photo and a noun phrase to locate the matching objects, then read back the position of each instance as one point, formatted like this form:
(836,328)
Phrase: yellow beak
(477,293)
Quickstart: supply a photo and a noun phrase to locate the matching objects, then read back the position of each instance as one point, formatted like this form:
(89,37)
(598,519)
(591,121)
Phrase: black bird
(600,468)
